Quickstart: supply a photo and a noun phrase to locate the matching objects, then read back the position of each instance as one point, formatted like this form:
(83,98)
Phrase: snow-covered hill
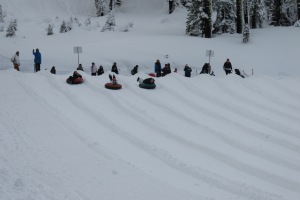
(199,138)
(206,137)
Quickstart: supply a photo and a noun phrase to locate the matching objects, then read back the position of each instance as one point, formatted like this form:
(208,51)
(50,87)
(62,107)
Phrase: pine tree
(110,22)
(208,20)
(11,31)
(1,15)
(198,22)
(268,7)
(298,8)
(284,12)
(239,15)
(87,22)
(100,7)
(225,22)
(63,27)
(257,13)
(246,33)
(288,13)
(15,24)
(50,30)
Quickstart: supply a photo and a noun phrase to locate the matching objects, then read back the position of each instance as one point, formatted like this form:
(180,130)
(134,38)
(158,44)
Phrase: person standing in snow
(53,70)
(16,62)
(157,68)
(227,67)
(187,71)
(114,68)
(93,69)
(37,60)
(100,70)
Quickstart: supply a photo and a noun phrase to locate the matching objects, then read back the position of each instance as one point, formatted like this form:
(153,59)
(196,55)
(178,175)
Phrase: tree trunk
(208,22)
(276,13)
(298,6)
(246,12)
(239,14)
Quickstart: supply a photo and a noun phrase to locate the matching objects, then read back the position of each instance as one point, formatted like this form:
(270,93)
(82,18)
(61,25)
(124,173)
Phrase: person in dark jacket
(114,68)
(146,81)
(157,68)
(134,70)
(53,70)
(100,70)
(75,76)
(37,60)
(206,69)
(166,70)
(80,67)
(187,71)
(227,67)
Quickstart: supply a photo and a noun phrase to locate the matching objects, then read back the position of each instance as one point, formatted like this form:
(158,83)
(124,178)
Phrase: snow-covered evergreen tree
(11,30)
(246,33)
(289,13)
(1,27)
(50,30)
(284,12)
(87,22)
(257,14)
(225,21)
(110,22)
(1,15)
(197,19)
(268,7)
(15,24)
(63,27)
(100,7)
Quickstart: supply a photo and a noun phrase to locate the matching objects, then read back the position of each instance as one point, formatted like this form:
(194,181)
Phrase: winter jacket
(157,67)
(93,69)
(188,71)
(227,66)
(37,57)
(149,81)
(114,68)
(100,71)
(15,59)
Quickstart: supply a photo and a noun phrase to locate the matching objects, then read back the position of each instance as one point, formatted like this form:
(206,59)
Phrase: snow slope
(199,138)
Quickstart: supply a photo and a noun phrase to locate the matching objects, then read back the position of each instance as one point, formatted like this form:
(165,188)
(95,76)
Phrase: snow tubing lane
(75,81)
(113,86)
(147,86)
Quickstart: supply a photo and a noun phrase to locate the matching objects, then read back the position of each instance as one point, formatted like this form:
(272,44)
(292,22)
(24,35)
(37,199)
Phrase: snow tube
(147,86)
(75,81)
(152,74)
(113,86)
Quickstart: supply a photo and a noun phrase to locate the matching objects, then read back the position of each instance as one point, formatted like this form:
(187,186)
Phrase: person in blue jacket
(37,60)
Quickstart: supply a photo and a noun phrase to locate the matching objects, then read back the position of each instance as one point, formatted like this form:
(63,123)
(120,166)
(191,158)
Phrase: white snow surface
(199,138)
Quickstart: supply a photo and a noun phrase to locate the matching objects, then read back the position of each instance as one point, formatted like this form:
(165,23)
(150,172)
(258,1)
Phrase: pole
(78,55)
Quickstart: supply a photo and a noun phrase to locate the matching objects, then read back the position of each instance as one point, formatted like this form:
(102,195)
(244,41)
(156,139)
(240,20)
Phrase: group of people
(37,60)
(206,69)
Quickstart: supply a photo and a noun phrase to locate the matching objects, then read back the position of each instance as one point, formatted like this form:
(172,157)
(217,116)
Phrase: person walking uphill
(16,62)
(37,60)
(227,67)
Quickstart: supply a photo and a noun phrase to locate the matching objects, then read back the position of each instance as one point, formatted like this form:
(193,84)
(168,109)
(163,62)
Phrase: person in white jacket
(93,69)
(16,61)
